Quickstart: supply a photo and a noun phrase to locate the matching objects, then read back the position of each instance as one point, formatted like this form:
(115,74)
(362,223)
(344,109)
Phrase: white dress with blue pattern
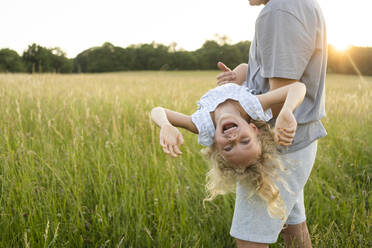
(209,102)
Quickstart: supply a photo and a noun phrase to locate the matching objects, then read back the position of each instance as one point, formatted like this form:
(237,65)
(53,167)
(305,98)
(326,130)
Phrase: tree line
(155,56)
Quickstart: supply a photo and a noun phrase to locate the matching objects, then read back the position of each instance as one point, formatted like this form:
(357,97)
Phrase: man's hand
(170,139)
(285,127)
(226,76)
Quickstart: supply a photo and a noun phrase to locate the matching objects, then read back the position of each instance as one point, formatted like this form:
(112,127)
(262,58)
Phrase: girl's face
(237,140)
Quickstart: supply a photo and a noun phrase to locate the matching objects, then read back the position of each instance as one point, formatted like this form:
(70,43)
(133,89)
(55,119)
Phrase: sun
(341,47)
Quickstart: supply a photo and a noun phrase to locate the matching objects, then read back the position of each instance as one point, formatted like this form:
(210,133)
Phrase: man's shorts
(251,221)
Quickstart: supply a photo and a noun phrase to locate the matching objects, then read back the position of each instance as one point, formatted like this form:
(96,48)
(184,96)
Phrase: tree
(106,58)
(208,55)
(211,52)
(41,59)
(152,56)
(243,48)
(10,61)
(183,60)
(37,59)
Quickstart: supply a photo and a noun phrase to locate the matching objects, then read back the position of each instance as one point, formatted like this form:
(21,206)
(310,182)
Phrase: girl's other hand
(226,76)
(285,127)
(170,139)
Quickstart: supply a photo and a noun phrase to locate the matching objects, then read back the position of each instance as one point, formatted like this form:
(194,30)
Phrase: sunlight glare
(341,47)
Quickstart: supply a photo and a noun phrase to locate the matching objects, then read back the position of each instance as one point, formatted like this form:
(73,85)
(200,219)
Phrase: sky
(76,25)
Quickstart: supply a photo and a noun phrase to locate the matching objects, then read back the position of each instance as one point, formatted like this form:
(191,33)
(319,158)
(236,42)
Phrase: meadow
(80,164)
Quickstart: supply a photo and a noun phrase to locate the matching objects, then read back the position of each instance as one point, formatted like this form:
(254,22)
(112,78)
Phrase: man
(289,45)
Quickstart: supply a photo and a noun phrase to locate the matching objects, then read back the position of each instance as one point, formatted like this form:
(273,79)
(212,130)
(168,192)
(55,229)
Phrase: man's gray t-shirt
(290,42)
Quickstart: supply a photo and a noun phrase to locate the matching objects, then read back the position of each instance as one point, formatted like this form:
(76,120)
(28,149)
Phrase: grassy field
(80,165)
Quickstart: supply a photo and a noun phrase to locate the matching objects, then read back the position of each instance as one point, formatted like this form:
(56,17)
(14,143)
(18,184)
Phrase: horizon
(339,49)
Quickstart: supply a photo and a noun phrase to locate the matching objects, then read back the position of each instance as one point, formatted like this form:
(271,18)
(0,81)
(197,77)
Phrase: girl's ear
(255,128)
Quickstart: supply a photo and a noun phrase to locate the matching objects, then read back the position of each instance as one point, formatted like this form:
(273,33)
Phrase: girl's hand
(170,139)
(226,76)
(285,127)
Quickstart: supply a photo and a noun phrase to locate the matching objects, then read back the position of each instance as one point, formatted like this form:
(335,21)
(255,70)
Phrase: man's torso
(290,42)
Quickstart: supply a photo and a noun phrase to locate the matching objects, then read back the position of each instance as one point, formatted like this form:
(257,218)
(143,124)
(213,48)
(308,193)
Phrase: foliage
(10,61)
(355,60)
(41,59)
(155,56)
(103,59)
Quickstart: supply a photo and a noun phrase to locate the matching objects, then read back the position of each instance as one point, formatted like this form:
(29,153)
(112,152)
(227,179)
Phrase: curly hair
(259,177)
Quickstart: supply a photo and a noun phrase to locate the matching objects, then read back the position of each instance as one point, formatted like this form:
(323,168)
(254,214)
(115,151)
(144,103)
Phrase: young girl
(231,122)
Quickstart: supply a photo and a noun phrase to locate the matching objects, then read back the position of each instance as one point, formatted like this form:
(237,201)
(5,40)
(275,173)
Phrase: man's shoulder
(296,8)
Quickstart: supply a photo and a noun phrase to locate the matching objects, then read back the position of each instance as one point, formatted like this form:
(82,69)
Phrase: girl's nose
(232,136)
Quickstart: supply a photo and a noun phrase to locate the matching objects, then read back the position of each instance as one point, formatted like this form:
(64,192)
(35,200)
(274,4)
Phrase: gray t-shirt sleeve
(284,46)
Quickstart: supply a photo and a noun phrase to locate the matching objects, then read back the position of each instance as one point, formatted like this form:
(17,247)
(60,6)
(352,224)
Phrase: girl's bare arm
(170,137)
(289,96)
(163,116)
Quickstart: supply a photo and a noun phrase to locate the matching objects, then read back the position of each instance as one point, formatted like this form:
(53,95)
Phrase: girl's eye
(227,148)
(245,142)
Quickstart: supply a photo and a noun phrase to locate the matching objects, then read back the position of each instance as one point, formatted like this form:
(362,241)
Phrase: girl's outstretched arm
(163,116)
(289,97)
(170,137)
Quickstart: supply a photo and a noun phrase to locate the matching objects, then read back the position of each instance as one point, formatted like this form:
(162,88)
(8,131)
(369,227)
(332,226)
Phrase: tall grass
(80,165)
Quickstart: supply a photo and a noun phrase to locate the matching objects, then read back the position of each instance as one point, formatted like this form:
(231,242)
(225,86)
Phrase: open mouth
(227,127)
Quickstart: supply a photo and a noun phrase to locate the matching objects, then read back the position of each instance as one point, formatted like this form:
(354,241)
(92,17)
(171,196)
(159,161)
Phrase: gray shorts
(251,222)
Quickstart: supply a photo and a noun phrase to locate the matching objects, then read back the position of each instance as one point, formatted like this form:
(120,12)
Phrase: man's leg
(251,220)
(296,236)
(246,244)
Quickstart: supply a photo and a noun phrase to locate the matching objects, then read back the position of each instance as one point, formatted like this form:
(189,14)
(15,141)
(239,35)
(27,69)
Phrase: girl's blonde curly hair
(259,176)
